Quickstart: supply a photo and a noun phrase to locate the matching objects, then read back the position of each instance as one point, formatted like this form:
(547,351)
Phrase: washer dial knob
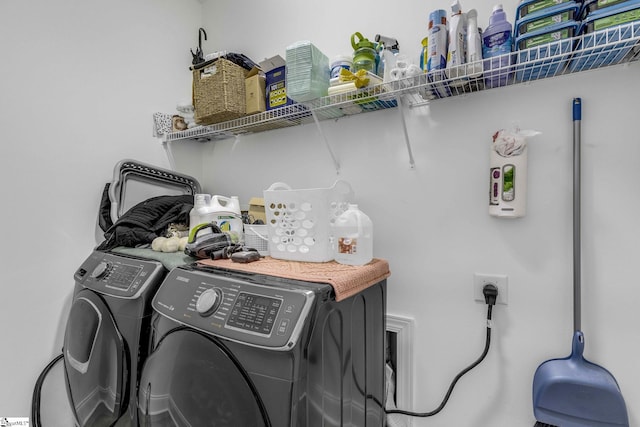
(100,270)
(208,302)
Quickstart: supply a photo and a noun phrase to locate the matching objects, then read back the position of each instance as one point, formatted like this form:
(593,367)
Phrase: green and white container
(225,212)
(557,14)
(589,6)
(527,7)
(545,52)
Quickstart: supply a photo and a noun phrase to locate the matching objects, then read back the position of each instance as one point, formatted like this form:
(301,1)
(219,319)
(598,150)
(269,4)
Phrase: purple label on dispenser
(494,186)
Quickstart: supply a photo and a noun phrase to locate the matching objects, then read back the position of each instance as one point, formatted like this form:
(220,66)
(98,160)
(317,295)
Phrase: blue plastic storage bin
(608,36)
(589,6)
(527,7)
(545,52)
(557,14)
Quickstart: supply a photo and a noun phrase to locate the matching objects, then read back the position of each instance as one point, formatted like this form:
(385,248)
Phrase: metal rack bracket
(412,162)
(336,163)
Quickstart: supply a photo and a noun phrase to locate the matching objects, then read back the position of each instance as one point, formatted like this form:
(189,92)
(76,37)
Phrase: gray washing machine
(107,336)
(238,349)
(107,333)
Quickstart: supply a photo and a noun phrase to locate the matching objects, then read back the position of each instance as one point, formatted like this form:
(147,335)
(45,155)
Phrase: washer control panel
(256,314)
(116,275)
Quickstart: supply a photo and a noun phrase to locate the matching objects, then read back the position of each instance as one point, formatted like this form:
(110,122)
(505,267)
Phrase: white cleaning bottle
(456,51)
(474,45)
(353,237)
(225,212)
(437,41)
(200,201)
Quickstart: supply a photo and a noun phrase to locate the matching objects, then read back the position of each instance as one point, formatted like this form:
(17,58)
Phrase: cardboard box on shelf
(255,89)
(276,91)
(256,209)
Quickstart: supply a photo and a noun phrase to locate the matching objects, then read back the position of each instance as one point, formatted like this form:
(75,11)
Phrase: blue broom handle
(577,119)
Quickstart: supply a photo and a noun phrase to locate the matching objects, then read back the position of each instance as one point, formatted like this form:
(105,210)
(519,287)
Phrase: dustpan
(573,392)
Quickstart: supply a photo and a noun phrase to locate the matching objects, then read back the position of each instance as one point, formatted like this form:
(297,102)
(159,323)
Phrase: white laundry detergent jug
(353,237)
(200,201)
(225,212)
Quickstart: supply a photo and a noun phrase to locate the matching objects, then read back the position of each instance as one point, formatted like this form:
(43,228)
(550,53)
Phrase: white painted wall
(80,82)
(432,223)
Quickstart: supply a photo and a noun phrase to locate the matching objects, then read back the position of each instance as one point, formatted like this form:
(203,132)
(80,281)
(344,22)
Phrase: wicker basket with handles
(299,221)
(219,92)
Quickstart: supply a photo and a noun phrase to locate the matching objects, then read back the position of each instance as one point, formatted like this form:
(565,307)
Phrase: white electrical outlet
(501,282)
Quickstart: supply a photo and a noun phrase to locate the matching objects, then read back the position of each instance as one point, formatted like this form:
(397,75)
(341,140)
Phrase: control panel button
(101,270)
(282,328)
(208,302)
(254,313)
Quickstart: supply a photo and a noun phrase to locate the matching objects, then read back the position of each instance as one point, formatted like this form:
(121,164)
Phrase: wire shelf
(612,46)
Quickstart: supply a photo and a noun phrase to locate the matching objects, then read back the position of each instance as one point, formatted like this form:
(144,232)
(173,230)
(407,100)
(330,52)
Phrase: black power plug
(490,292)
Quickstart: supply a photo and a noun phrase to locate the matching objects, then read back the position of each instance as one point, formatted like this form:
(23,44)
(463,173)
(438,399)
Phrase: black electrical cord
(490,295)
(37,390)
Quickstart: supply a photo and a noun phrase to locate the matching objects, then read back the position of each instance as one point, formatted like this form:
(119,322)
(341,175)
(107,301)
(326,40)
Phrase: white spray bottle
(474,45)
(456,51)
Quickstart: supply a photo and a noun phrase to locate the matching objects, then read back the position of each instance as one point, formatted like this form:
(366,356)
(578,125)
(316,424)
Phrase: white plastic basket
(257,237)
(299,221)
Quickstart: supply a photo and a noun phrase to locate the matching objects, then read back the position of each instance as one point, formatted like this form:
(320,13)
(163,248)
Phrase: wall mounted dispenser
(508,173)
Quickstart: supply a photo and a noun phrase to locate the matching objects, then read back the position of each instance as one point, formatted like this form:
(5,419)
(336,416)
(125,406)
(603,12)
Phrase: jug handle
(344,188)
(279,186)
(217,199)
(353,41)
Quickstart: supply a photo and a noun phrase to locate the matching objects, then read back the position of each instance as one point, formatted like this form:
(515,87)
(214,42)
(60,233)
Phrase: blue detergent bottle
(497,44)
(437,41)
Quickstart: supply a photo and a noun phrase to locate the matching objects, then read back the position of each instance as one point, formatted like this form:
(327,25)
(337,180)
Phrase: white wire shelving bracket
(336,163)
(407,140)
(608,47)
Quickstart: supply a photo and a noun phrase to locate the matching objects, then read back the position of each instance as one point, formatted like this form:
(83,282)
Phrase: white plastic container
(299,220)
(353,237)
(508,191)
(474,45)
(200,201)
(225,212)
(456,49)
(257,237)
(338,63)
(437,41)
(508,173)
